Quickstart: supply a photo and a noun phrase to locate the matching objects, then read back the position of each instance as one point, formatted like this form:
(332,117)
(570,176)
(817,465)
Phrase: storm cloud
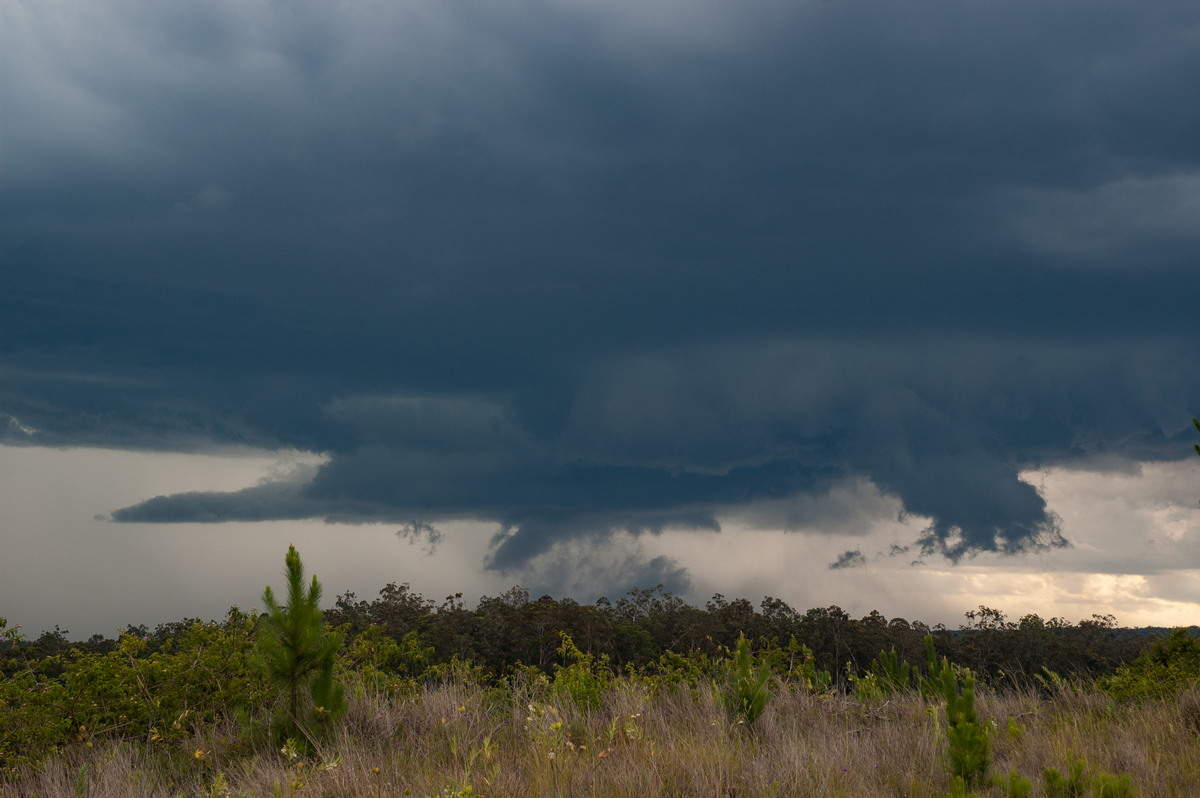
(581,269)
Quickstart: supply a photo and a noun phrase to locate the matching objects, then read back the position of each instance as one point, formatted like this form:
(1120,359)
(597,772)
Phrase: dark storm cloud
(849,559)
(422,532)
(585,268)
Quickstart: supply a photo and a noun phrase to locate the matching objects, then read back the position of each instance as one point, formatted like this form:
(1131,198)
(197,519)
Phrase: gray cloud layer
(577,268)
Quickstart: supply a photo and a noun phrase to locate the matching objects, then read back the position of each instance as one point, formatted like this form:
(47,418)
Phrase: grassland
(530,738)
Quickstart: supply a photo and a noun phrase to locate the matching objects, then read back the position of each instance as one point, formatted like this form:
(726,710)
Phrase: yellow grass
(459,739)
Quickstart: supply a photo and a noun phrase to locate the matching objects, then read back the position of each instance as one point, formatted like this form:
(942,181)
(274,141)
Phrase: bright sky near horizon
(1134,557)
(884,305)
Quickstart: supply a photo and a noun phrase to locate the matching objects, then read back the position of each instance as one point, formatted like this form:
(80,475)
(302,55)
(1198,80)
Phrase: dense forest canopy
(513,629)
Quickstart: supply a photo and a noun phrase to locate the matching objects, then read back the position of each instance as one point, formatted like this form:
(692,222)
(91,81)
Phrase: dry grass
(467,740)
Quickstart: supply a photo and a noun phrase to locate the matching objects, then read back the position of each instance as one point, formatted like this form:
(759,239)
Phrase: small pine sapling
(296,653)
(969,745)
(749,687)
(1111,785)
(1014,786)
(958,789)
(936,670)
(893,673)
(1071,785)
(1076,783)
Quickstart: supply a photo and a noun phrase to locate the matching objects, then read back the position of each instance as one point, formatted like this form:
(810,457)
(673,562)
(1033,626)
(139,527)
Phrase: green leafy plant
(801,669)
(748,687)
(1170,665)
(392,667)
(584,680)
(296,653)
(673,671)
(867,688)
(74,698)
(958,789)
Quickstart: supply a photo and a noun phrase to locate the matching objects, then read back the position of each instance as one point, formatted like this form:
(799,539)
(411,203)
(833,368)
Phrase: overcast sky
(890,305)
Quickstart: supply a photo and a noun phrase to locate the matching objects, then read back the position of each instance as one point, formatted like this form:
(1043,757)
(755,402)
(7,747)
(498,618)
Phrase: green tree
(296,653)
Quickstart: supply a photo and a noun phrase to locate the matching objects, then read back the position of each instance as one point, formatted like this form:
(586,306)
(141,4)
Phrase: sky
(883,305)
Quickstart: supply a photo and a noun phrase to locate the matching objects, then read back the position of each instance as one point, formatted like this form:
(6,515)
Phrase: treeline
(639,628)
(514,631)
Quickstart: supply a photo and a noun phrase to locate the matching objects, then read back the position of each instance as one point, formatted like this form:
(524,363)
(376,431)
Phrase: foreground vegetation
(461,739)
(394,697)
(530,737)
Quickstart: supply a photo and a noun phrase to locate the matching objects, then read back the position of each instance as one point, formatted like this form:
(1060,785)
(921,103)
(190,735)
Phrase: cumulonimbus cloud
(602,275)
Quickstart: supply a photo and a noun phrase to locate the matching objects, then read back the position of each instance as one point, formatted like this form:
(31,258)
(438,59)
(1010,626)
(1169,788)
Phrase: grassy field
(529,738)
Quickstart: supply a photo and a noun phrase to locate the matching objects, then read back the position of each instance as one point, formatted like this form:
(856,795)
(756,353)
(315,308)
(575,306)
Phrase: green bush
(583,680)
(72,699)
(671,671)
(1168,667)
(391,667)
(801,669)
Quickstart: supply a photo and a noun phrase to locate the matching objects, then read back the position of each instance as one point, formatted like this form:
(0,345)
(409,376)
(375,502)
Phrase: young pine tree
(296,653)
(748,689)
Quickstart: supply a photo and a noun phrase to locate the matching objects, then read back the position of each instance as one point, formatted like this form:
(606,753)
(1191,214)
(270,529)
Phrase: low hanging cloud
(640,449)
(593,271)
(422,532)
(852,558)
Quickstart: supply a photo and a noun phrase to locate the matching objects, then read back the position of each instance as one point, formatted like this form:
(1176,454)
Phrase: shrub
(387,665)
(801,669)
(1170,665)
(583,680)
(71,699)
